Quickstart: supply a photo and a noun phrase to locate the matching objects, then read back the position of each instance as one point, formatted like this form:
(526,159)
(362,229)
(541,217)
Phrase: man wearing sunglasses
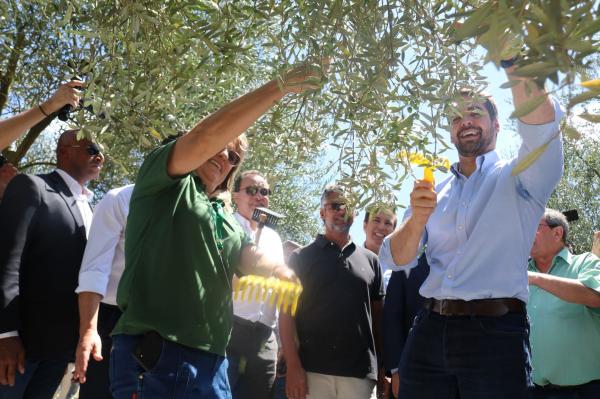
(252,350)
(7,172)
(45,221)
(564,308)
(339,312)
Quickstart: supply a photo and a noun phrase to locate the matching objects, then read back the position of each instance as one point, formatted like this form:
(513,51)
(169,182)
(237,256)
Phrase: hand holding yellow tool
(430,165)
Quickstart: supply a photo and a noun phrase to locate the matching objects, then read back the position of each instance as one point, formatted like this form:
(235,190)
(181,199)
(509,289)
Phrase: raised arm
(14,127)
(213,133)
(526,90)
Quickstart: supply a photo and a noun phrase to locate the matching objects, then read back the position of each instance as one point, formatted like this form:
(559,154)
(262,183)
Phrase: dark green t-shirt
(176,280)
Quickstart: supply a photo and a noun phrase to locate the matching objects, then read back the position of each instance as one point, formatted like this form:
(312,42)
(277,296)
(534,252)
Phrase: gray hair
(555,218)
(332,189)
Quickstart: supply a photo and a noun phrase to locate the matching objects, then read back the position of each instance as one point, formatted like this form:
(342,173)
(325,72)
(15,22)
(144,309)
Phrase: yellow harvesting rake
(257,288)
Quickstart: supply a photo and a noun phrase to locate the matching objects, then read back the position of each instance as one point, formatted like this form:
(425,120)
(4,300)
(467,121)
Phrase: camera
(63,113)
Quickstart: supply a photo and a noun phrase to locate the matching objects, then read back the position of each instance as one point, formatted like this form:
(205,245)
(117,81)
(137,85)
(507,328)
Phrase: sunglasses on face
(252,190)
(337,206)
(233,157)
(91,149)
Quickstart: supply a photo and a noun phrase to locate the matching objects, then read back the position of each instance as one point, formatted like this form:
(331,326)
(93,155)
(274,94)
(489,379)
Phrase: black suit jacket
(402,303)
(42,239)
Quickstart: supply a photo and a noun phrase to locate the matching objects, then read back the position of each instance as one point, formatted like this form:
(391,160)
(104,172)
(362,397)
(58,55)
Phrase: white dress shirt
(251,310)
(104,258)
(82,196)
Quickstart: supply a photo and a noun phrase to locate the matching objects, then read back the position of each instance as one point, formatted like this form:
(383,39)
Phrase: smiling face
(377,227)
(473,131)
(214,171)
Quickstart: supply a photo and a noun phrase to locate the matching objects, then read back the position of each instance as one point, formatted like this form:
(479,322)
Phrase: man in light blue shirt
(477,227)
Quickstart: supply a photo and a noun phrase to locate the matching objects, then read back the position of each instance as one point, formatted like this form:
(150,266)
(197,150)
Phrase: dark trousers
(591,390)
(97,383)
(466,357)
(252,355)
(40,381)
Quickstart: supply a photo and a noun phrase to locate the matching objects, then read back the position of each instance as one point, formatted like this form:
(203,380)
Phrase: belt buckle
(443,307)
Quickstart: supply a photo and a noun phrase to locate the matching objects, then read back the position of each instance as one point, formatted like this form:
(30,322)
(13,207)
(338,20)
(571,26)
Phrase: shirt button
(449,276)
(460,227)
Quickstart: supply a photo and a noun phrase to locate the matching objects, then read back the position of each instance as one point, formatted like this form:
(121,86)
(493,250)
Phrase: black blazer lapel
(55,183)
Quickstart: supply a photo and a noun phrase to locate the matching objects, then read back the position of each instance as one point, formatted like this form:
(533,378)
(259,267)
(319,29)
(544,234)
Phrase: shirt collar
(484,162)
(79,192)
(245,223)
(563,255)
(322,242)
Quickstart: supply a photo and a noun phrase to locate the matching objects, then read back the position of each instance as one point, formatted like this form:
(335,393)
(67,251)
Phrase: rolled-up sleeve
(106,231)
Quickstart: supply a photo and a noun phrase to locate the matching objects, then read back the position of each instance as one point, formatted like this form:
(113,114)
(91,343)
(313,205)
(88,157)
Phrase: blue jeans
(40,380)
(179,373)
(466,357)
(591,390)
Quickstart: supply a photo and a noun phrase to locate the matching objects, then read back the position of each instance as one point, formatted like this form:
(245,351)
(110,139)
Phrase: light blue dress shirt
(479,237)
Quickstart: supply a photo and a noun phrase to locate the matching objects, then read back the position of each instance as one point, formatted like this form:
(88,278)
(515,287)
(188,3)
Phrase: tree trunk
(15,54)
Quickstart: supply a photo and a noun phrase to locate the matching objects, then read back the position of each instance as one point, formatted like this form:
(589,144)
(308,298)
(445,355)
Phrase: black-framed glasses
(92,149)
(336,206)
(3,160)
(252,190)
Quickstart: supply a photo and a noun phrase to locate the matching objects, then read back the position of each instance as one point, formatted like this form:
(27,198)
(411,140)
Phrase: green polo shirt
(176,280)
(565,337)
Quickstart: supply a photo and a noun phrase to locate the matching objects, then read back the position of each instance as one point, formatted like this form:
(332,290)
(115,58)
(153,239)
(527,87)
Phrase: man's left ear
(558,232)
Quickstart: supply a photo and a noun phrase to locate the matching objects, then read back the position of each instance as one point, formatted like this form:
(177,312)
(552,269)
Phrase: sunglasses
(337,206)
(91,149)
(252,190)
(233,157)
(2,160)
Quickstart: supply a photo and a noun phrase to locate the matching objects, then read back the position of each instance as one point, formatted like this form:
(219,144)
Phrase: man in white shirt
(252,350)
(45,222)
(101,269)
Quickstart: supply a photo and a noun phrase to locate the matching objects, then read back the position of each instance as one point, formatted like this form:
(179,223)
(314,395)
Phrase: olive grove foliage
(156,67)
(580,186)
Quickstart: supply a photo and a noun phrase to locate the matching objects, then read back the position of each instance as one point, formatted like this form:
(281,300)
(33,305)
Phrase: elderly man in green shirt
(564,307)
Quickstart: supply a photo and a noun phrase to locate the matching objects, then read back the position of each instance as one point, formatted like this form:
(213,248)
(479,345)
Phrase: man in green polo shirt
(181,250)
(564,308)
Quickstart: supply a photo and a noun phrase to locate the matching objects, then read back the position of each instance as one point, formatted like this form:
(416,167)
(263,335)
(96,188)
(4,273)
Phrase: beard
(340,227)
(473,148)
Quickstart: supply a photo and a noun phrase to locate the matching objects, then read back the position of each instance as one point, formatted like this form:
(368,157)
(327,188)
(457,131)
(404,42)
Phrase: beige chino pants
(323,386)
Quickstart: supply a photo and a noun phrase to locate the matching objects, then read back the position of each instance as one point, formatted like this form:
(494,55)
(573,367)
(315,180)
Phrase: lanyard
(218,219)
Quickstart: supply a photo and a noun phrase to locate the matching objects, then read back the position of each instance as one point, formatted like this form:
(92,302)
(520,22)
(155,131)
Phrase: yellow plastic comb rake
(286,293)
(429,167)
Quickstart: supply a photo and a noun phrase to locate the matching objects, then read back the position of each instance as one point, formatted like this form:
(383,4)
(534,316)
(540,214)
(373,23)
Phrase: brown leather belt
(477,307)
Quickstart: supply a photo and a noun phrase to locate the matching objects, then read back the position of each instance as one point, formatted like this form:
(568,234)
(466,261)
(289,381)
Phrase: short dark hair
(378,207)
(238,179)
(488,101)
